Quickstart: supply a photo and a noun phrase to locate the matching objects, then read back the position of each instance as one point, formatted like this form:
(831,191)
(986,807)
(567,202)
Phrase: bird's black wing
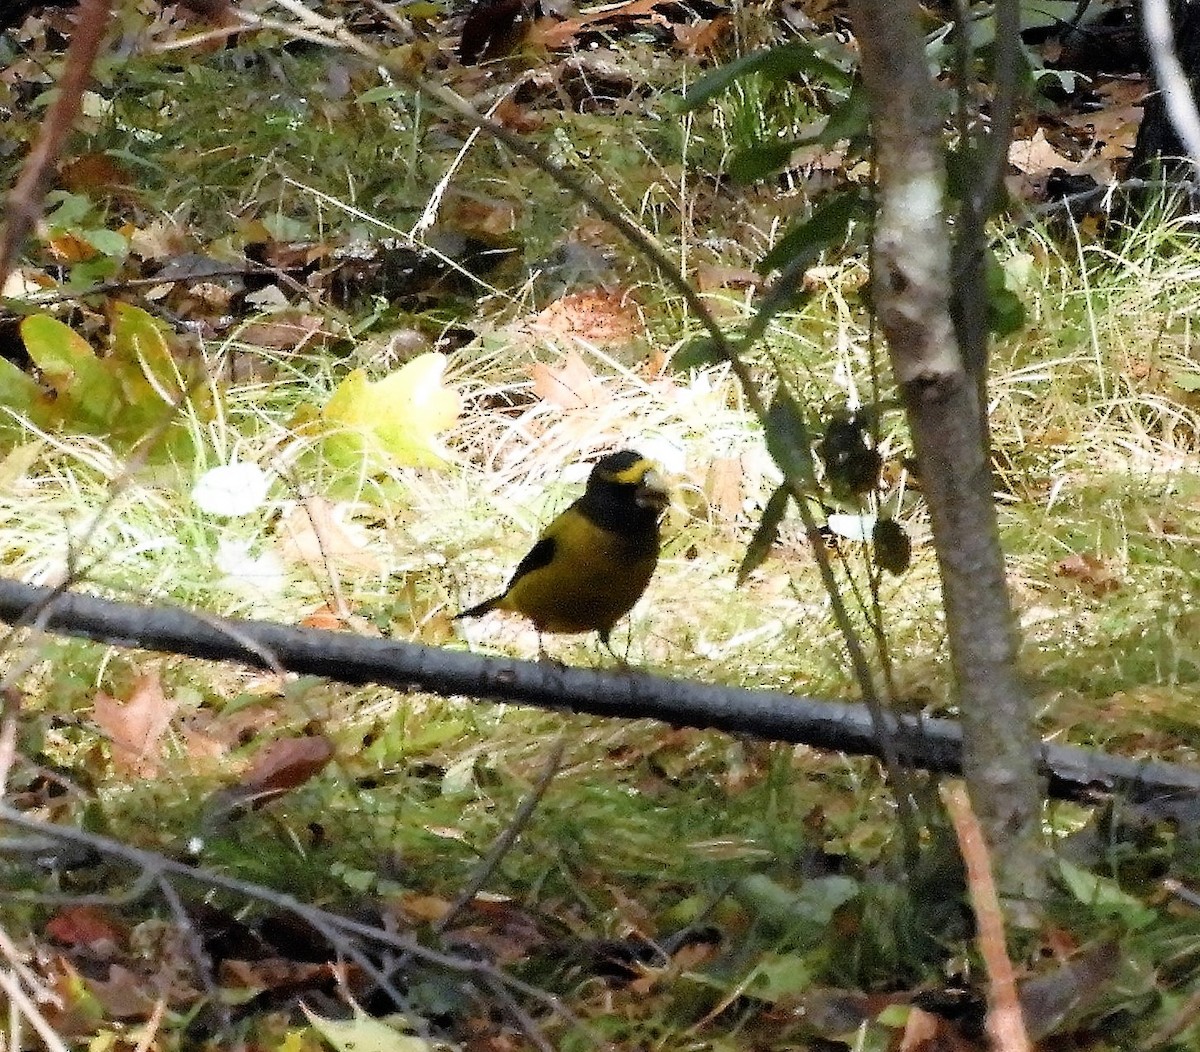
(541,554)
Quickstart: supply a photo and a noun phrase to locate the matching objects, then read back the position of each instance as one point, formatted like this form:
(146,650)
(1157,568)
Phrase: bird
(595,559)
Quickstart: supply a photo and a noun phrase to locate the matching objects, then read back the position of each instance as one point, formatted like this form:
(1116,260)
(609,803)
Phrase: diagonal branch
(24,206)
(934,744)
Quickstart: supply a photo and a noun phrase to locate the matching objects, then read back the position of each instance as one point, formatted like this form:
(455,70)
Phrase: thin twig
(201,960)
(24,206)
(1005,1022)
(504,843)
(522,1018)
(22,1002)
(152,1025)
(1182,1018)
(330,925)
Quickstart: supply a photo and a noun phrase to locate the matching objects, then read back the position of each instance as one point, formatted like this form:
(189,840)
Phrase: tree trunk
(911,290)
(1157,140)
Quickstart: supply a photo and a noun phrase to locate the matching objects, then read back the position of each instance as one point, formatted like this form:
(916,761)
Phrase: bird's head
(628,468)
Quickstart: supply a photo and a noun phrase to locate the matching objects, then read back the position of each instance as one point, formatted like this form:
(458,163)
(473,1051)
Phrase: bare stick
(24,206)
(504,843)
(333,927)
(934,744)
(21,1001)
(1005,1023)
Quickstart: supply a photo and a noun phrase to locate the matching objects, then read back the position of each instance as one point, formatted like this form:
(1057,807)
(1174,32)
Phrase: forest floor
(301,346)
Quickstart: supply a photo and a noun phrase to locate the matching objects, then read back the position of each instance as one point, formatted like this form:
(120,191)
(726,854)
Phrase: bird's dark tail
(480,609)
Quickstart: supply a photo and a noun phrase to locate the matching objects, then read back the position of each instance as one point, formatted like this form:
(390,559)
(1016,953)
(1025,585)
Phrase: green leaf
(362,1033)
(140,341)
(828,225)
(760,160)
(813,905)
(66,210)
(385,93)
(695,354)
(393,421)
(850,119)
(87,390)
(107,242)
(1185,381)
(765,536)
(788,439)
(1105,897)
(779,976)
(18,391)
(1005,311)
(775,63)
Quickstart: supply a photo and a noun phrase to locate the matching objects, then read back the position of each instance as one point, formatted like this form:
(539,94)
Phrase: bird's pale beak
(652,492)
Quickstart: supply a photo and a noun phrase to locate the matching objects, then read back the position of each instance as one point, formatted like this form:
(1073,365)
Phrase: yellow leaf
(365,1034)
(394,421)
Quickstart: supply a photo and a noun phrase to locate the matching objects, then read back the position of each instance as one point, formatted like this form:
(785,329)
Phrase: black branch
(932,744)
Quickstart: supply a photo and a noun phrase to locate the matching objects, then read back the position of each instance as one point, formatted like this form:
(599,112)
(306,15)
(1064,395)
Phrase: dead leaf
(87,926)
(65,247)
(277,973)
(516,118)
(703,37)
(318,533)
(1093,573)
(711,276)
(599,316)
(123,995)
(293,255)
(135,726)
(324,618)
(1057,998)
(926,1032)
(572,385)
(484,218)
(288,330)
(94,173)
(1037,155)
(425,909)
(284,765)
(628,16)
(723,486)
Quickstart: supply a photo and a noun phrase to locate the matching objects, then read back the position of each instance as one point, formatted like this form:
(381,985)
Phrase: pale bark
(911,291)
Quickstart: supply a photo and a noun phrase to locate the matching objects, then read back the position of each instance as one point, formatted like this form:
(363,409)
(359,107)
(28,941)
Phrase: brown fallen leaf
(629,15)
(278,973)
(318,532)
(484,218)
(1037,155)
(703,37)
(1090,572)
(598,316)
(926,1032)
(516,117)
(711,276)
(284,765)
(88,926)
(124,995)
(724,486)
(134,726)
(286,330)
(571,385)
